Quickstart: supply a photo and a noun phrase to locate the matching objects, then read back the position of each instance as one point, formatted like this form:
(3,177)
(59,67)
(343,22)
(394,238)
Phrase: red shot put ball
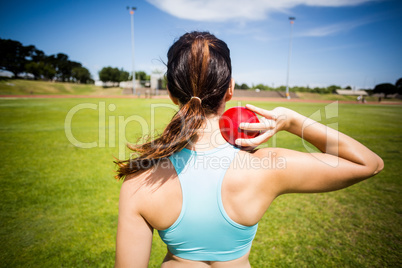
(230,121)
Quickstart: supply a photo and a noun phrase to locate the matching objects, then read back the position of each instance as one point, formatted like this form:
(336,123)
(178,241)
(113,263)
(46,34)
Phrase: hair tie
(193,97)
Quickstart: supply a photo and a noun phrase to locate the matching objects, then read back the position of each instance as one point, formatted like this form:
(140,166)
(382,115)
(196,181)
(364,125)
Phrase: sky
(355,43)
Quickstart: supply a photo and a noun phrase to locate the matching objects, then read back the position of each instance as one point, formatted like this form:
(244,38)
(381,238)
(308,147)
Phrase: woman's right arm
(134,234)
(343,161)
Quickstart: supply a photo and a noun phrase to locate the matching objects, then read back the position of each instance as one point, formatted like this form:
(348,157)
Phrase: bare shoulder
(270,165)
(139,206)
(144,184)
(155,194)
(271,153)
(249,186)
(259,163)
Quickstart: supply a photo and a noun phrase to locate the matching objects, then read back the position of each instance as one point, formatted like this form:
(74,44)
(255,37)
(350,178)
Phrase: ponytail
(181,131)
(198,75)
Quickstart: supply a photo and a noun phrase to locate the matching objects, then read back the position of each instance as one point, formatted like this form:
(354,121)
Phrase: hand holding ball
(230,121)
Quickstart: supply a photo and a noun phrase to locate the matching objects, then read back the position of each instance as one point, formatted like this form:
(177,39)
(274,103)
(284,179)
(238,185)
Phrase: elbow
(380,166)
(375,166)
(372,168)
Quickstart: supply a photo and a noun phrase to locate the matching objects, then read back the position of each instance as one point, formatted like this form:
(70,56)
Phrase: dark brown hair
(199,66)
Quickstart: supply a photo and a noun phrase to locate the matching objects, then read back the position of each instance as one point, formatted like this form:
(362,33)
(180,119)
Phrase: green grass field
(59,203)
(28,87)
(31,87)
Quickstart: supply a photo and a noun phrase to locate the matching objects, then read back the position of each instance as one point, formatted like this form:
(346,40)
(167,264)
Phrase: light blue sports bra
(203,231)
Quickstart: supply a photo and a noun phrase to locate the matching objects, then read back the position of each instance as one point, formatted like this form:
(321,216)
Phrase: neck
(209,135)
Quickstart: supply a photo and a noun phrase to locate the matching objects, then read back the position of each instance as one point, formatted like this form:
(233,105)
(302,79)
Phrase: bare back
(161,200)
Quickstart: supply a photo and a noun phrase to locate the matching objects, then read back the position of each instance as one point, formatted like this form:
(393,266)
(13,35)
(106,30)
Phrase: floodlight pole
(290,54)
(132,43)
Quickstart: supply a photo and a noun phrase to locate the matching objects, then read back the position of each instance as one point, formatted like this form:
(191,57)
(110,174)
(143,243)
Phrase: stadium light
(132,9)
(290,53)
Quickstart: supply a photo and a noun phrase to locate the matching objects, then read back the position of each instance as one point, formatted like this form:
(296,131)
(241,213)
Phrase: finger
(263,126)
(254,141)
(270,123)
(260,111)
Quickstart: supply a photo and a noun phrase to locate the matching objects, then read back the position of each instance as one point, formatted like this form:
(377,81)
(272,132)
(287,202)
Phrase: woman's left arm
(134,234)
(343,161)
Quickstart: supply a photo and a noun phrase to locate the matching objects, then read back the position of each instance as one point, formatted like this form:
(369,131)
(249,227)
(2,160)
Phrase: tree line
(114,74)
(383,88)
(321,90)
(20,59)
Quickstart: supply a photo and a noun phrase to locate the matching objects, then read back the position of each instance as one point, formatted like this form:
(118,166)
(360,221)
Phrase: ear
(174,99)
(230,91)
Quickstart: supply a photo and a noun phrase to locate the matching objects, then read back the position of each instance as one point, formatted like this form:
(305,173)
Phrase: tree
(124,75)
(105,75)
(81,74)
(114,75)
(110,74)
(64,67)
(37,55)
(13,55)
(398,85)
(262,87)
(333,88)
(35,68)
(18,58)
(142,76)
(48,71)
(385,88)
(244,86)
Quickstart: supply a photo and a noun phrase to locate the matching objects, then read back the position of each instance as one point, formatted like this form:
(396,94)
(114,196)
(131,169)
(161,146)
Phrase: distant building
(129,84)
(156,80)
(5,73)
(125,84)
(106,84)
(349,92)
(98,83)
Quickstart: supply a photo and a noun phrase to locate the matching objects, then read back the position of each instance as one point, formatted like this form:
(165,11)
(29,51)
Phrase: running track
(166,97)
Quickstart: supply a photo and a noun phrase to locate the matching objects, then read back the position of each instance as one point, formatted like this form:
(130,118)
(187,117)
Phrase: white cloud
(337,28)
(223,10)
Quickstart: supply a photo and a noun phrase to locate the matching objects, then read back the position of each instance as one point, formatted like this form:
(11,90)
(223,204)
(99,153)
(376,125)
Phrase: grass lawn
(27,87)
(32,87)
(336,97)
(59,203)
